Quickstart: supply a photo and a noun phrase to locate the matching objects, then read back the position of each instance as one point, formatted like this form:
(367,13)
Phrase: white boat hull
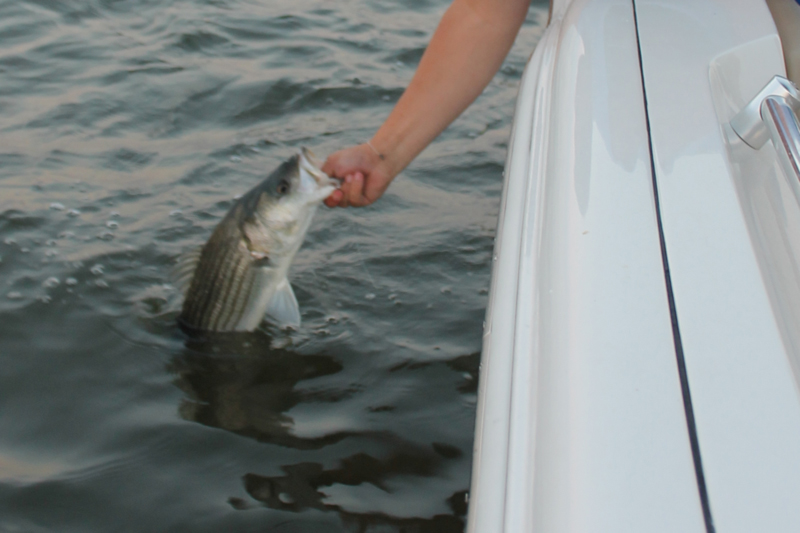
(641,341)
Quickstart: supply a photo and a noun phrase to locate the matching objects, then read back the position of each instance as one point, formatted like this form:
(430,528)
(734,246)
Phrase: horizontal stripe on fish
(238,275)
(203,287)
(227,278)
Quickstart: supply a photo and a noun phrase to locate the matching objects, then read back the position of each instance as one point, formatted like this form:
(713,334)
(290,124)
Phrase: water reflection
(303,487)
(240,383)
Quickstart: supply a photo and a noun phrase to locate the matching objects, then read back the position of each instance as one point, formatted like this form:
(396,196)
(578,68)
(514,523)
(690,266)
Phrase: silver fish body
(240,274)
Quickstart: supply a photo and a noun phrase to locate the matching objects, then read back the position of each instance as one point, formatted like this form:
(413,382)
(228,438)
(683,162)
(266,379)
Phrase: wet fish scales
(237,297)
(208,282)
(222,303)
(236,304)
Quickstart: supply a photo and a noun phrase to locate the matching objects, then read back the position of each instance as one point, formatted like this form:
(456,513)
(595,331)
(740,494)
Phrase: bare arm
(466,50)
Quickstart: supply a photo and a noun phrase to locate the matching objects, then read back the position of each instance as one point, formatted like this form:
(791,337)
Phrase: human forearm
(466,50)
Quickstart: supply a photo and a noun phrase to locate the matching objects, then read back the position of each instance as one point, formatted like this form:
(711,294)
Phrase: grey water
(127,127)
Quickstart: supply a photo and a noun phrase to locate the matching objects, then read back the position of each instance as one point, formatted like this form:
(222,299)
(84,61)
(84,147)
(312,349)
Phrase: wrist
(380,154)
(388,156)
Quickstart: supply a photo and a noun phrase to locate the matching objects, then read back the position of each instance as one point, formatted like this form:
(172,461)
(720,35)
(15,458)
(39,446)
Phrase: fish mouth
(310,164)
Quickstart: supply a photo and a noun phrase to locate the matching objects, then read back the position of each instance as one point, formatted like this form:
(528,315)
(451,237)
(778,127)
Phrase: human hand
(365,175)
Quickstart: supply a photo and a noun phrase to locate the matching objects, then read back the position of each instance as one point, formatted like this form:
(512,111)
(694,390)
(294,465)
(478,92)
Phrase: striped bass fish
(240,274)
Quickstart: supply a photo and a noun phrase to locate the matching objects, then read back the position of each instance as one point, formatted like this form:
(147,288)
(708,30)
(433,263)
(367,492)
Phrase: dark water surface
(126,129)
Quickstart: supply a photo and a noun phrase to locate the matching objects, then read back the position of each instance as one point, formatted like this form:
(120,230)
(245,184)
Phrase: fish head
(298,183)
(313,181)
(286,200)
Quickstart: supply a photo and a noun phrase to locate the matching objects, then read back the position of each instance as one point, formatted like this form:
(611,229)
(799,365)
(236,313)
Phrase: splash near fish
(240,275)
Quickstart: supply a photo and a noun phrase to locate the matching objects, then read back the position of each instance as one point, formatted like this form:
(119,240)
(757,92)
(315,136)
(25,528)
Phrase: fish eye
(283,187)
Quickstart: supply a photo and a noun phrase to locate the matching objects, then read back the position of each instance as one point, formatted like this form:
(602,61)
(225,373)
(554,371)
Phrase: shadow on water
(240,383)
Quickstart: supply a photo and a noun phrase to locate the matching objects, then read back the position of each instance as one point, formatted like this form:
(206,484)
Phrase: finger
(374,188)
(329,165)
(354,191)
(335,198)
(347,190)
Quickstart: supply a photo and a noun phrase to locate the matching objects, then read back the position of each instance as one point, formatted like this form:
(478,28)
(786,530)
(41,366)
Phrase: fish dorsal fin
(185,267)
(283,308)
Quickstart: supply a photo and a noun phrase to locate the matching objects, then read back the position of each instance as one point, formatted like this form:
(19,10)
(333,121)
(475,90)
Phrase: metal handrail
(772,114)
(781,122)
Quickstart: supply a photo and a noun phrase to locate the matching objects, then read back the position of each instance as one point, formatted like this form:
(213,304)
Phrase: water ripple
(126,131)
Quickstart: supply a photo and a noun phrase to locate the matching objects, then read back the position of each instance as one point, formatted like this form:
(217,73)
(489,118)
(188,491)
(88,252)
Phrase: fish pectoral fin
(283,308)
(260,259)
